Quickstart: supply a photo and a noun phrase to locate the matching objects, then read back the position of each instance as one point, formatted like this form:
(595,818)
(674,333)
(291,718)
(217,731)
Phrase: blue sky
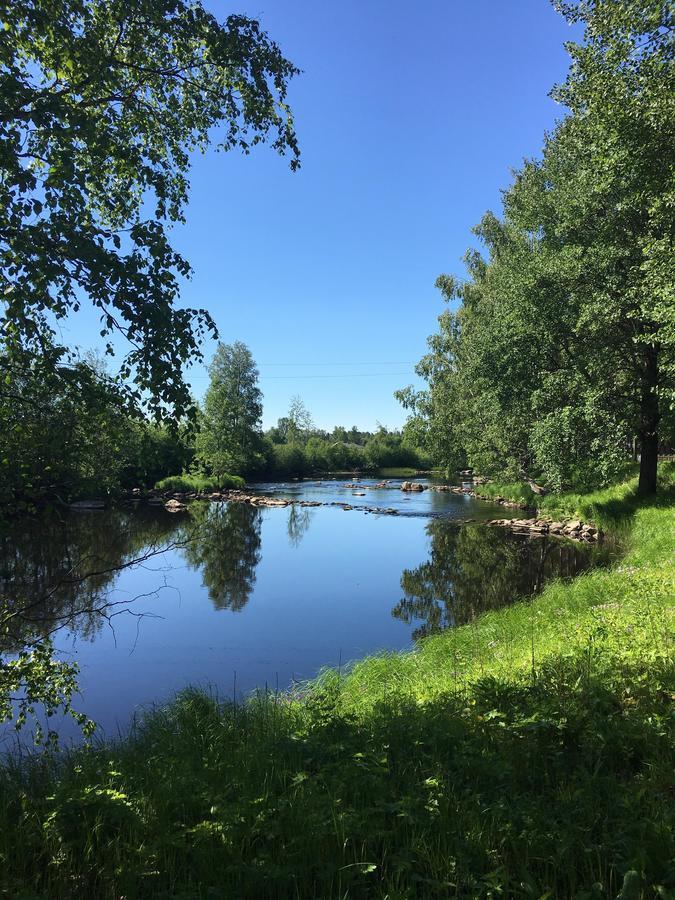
(411,117)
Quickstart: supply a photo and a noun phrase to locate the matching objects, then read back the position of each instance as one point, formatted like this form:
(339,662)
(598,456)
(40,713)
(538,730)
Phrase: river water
(232,597)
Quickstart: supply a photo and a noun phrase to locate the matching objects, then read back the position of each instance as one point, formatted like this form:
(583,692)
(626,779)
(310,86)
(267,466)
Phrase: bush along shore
(528,754)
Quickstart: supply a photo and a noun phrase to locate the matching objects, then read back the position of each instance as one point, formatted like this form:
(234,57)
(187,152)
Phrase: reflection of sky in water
(264,596)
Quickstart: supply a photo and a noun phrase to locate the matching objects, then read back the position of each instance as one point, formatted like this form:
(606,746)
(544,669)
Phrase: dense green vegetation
(559,360)
(101,105)
(526,754)
(190,483)
(72,431)
(230,436)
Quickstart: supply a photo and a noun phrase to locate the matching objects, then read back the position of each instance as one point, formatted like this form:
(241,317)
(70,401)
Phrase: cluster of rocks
(578,531)
(176,502)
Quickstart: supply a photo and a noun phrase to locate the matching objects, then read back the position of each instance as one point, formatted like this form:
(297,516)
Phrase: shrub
(188,483)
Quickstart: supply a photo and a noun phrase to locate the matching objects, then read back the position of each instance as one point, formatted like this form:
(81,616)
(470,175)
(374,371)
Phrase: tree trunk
(649,425)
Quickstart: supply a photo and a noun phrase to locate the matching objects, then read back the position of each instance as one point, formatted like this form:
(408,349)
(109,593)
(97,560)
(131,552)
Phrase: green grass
(528,754)
(514,491)
(396,472)
(611,507)
(188,483)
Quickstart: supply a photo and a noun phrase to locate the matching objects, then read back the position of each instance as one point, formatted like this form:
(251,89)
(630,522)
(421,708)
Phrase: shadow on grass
(554,786)
(614,508)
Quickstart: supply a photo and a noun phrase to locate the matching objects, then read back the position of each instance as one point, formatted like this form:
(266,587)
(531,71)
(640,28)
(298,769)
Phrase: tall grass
(189,483)
(528,754)
(516,491)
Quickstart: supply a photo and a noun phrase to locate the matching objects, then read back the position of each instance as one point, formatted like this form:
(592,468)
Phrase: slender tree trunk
(649,425)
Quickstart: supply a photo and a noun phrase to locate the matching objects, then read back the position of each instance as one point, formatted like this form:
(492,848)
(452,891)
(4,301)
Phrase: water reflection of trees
(225,546)
(473,569)
(299,520)
(58,571)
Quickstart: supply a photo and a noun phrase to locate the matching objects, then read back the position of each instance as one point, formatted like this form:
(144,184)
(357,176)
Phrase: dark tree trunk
(649,425)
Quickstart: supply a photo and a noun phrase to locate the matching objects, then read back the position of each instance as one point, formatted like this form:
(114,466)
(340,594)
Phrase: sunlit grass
(188,483)
(517,492)
(528,754)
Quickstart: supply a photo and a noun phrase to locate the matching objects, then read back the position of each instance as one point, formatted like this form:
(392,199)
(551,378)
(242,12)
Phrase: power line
(405,362)
(341,375)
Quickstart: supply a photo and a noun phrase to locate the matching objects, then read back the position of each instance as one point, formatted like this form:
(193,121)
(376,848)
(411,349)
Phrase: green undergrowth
(612,507)
(190,483)
(396,472)
(516,492)
(528,754)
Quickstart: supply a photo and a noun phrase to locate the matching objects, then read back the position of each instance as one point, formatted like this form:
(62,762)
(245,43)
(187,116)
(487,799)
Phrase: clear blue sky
(411,117)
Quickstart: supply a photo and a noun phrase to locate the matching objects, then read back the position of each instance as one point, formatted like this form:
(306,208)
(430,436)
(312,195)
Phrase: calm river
(234,597)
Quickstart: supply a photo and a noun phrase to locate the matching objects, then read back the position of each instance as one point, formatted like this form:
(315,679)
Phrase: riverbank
(525,753)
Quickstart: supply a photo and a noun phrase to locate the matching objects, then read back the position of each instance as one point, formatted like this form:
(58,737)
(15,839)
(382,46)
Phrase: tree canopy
(562,349)
(101,104)
(230,436)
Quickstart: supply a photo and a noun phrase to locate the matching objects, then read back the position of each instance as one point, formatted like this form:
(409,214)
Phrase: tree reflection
(299,520)
(225,546)
(58,571)
(473,569)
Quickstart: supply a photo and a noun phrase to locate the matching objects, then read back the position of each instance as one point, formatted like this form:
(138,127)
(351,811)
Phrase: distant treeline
(72,431)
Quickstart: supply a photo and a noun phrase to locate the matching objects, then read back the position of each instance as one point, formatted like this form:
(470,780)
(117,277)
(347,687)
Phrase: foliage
(562,351)
(610,507)
(74,431)
(488,762)
(63,430)
(193,482)
(321,452)
(299,421)
(230,437)
(513,491)
(101,104)
(153,451)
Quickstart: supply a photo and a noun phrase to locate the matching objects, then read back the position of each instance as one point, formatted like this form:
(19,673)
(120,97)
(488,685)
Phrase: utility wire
(405,362)
(341,375)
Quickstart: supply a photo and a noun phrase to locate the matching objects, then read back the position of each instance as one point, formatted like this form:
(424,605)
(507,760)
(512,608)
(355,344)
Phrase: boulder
(268,501)
(173,506)
(572,526)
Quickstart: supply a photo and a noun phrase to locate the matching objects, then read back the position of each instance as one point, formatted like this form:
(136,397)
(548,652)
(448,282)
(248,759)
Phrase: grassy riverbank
(525,755)
(190,483)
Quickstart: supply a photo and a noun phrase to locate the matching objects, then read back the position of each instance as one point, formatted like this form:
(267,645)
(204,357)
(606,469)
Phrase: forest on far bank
(76,433)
